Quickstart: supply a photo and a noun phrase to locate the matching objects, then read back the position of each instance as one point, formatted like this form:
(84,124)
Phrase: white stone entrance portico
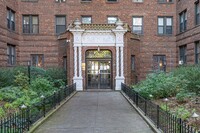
(98,37)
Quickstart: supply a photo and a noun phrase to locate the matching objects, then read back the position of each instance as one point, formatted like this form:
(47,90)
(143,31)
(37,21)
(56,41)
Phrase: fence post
(180,126)
(145,107)
(158,116)
(59,97)
(136,99)
(44,110)
(54,95)
(28,118)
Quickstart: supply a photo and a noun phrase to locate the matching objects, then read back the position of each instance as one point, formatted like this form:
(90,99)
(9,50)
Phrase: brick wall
(46,41)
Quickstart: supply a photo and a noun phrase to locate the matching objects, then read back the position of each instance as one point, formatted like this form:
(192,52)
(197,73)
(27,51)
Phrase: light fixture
(160,64)
(195,115)
(98,49)
(23,106)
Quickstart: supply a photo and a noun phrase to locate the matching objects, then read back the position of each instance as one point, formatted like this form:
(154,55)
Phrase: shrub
(22,80)
(42,86)
(10,93)
(192,75)
(182,113)
(6,77)
(2,113)
(160,85)
(183,96)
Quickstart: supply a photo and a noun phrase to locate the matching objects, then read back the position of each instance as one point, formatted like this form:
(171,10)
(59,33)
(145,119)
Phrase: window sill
(86,2)
(30,34)
(112,2)
(165,2)
(164,35)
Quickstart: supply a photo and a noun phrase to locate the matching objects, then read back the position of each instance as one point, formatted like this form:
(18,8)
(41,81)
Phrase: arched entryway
(98,69)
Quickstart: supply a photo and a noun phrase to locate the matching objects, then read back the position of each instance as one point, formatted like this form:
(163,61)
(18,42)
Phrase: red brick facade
(150,43)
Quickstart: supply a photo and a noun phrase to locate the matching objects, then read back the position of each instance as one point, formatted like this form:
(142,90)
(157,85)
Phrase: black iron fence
(21,121)
(163,120)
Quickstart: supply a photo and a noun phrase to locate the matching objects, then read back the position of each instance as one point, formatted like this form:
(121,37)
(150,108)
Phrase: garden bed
(182,109)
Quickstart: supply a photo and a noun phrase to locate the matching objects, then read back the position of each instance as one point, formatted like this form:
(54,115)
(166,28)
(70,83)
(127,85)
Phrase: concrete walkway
(95,112)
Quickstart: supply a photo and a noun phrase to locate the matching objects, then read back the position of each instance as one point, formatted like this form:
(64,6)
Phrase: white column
(80,61)
(75,62)
(122,61)
(117,61)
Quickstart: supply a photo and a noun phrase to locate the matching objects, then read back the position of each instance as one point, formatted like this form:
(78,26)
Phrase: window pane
(26,20)
(8,14)
(112,20)
(137,21)
(161,21)
(168,30)
(35,20)
(86,20)
(60,28)
(169,21)
(40,61)
(60,20)
(160,30)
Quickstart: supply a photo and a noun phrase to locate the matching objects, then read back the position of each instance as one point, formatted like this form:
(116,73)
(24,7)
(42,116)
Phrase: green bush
(10,93)
(21,80)
(192,75)
(2,113)
(160,85)
(6,77)
(182,113)
(57,76)
(42,86)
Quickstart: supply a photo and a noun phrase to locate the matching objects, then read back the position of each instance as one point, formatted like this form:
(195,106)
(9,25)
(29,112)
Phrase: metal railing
(163,120)
(22,120)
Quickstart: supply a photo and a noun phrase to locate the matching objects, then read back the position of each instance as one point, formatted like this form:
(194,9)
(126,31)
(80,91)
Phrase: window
(165,1)
(133,62)
(197,12)
(37,60)
(59,1)
(11,54)
(86,0)
(197,52)
(30,24)
(159,63)
(164,25)
(60,24)
(10,19)
(29,0)
(138,25)
(138,1)
(86,19)
(183,21)
(182,55)
(111,0)
(112,19)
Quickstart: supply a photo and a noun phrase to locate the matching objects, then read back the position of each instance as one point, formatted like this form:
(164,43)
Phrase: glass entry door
(99,74)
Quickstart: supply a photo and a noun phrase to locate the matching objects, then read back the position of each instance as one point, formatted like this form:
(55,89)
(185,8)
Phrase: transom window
(30,24)
(98,54)
(112,19)
(182,55)
(197,12)
(138,25)
(60,24)
(183,21)
(59,1)
(159,63)
(11,54)
(37,60)
(164,25)
(10,19)
(197,52)
(86,19)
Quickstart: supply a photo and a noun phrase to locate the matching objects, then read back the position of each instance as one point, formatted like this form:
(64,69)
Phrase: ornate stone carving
(117,61)
(122,61)
(80,61)
(98,38)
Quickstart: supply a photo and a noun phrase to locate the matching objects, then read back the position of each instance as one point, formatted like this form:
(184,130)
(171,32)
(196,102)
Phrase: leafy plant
(10,93)
(2,113)
(182,113)
(42,86)
(21,80)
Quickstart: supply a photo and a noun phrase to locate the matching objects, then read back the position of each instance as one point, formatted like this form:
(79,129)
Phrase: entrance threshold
(99,90)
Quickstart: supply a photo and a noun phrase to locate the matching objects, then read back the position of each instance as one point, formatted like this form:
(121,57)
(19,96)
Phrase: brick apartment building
(100,43)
